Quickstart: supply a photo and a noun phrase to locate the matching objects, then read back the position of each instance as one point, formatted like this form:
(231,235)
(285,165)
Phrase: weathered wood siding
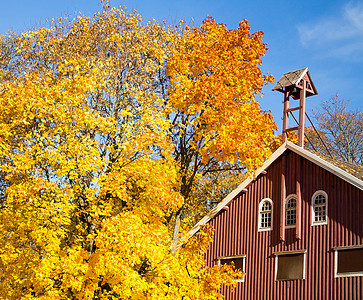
(237,234)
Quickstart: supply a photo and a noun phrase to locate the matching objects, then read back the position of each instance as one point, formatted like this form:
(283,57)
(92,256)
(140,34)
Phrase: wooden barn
(296,230)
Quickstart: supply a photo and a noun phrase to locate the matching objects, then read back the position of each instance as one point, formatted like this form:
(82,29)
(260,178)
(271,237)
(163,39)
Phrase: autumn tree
(108,127)
(216,123)
(339,131)
(88,179)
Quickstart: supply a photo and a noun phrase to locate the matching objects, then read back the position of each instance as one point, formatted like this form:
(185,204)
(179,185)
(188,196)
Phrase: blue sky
(325,36)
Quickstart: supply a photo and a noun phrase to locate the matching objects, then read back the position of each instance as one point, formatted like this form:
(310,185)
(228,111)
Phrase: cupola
(297,85)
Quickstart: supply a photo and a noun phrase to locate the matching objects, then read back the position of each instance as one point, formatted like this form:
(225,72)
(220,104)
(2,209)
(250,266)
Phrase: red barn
(297,228)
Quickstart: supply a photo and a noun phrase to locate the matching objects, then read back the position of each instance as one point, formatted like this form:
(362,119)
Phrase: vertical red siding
(237,234)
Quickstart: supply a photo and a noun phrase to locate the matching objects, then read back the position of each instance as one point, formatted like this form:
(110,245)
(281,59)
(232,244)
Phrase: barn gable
(266,257)
(288,146)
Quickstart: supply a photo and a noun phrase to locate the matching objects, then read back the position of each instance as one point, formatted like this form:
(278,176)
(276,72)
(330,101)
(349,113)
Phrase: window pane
(266,220)
(291,203)
(290,266)
(291,217)
(320,214)
(266,206)
(350,260)
(320,199)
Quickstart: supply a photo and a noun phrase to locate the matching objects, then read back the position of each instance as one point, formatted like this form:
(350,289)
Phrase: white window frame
(313,222)
(243,264)
(260,212)
(289,197)
(349,274)
(277,254)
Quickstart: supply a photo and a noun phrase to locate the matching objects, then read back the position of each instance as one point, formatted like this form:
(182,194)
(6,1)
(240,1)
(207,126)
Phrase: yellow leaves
(128,248)
(146,186)
(206,281)
(88,157)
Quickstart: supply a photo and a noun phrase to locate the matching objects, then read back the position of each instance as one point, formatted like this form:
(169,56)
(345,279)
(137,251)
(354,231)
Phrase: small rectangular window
(238,261)
(349,262)
(290,266)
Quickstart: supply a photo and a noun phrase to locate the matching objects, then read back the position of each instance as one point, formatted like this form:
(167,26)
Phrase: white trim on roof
(302,75)
(326,165)
(298,150)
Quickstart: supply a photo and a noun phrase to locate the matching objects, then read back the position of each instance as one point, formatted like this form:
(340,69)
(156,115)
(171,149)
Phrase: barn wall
(237,234)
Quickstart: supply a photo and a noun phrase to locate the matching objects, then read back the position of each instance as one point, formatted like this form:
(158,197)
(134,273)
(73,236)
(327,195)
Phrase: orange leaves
(214,76)
(214,62)
(216,123)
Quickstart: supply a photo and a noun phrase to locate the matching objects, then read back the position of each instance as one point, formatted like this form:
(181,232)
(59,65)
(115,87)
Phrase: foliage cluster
(106,126)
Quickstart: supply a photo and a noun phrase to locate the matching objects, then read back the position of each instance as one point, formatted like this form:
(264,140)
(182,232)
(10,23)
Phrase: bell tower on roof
(297,85)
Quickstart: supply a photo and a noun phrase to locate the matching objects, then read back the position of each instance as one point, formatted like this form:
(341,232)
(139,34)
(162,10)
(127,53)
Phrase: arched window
(265,215)
(319,208)
(290,211)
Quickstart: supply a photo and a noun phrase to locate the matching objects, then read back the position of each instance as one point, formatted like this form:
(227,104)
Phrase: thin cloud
(340,35)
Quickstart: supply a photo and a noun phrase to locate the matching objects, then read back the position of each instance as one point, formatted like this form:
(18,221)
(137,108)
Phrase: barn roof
(345,171)
(355,170)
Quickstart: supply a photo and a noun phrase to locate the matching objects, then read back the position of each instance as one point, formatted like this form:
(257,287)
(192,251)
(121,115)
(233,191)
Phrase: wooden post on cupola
(297,85)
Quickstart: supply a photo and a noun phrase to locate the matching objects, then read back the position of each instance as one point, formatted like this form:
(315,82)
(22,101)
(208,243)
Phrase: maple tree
(106,126)
(216,123)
